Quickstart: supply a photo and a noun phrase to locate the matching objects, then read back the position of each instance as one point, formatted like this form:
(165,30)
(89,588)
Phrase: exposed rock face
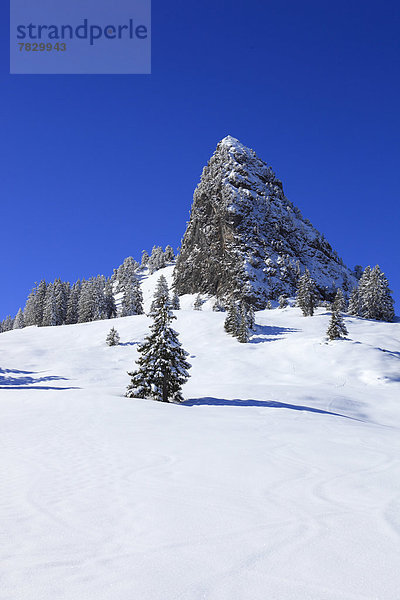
(245,238)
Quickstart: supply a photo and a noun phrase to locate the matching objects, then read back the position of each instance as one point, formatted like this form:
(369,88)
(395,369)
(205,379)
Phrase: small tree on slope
(337,328)
(339,303)
(163,368)
(307,294)
(112,338)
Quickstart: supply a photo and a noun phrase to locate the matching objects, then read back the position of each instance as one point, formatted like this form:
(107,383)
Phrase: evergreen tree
(269,305)
(175,302)
(72,306)
(354,303)
(198,303)
(283,302)
(132,301)
(19,322)
(110,308)
(156,260)
(145,259)
(29,310)
(8,323)
(161,291)
(85,304)
(162,366)
(232,320)
(339,303)
(337,328)
(243,335)
(61,293)
(376,301)
(168,254)
(112,338)
(50,307)
(307,298)
(218,306)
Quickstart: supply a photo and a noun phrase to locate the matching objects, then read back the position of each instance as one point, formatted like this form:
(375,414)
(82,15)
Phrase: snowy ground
(278,479)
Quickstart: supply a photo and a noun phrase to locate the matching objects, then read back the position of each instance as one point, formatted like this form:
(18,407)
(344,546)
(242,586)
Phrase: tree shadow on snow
(269,333)
(261,404)
(28,382)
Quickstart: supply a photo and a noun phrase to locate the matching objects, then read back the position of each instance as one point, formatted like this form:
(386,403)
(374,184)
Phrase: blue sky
(96,168)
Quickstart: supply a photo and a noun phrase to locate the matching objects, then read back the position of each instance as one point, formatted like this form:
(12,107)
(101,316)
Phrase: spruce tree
(243,335)
(168,254)
(110,308)
(232,320)
(112,338)
(218,306)
(376,301)
(145,259)
(337,328)
(175,302)
(162,366)
(19,322)
(198,303)
(354,303)
(283,302)
(269,305)
(132,301)
(161,291)
(156,260)
(307,298)
(72,306)
(339,303)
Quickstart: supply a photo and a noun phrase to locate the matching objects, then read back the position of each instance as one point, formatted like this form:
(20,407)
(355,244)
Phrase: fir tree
(175,302)
(337,328)
(145,259)
(161,291)
(110,308)
(50,307)
(376,301)
(112,338)
(19,322)
(168,254)
(8,323)
(354,303)
(283,302)
(156,260)
(162,366)
(218,306)
(198,303)
(339,303)
(307,294)
(85,304)
(269,305)
(232,320)
(72,306)
(243,335)
(132,301)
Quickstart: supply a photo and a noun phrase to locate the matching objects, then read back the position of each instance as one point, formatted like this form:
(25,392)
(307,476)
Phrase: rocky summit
(246,239)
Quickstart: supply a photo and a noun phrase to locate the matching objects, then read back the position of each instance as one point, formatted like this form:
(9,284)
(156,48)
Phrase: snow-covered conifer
(339,303)
(243,335)
(160,291)
(269,305)
(162,366)
(19,322)
(175,302)
(232,320)
(145,259)
(110,308)
(376,301)
(354,303)
(156,260)
(337,328)
(307,298)
(169,254)
(8,323)
(218,306)
(283,302)
(72,306)
(198,303)
(112,338)
(132,301)
(50,307)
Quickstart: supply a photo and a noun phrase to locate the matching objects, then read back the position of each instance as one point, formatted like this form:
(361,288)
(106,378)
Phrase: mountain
(277,478)
(246,238)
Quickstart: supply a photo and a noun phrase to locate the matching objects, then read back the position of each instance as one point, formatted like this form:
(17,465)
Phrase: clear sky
(96,168)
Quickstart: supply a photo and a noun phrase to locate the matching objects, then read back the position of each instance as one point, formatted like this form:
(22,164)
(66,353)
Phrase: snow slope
(278,478)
